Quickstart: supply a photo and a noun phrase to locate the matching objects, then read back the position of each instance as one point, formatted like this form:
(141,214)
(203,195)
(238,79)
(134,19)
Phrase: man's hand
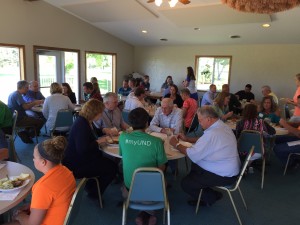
(166,130)
(173,141)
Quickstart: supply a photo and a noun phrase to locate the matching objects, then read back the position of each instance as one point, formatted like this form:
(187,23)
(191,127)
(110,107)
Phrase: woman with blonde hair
(55,102)
(52,193)
(83,156)
(221,106)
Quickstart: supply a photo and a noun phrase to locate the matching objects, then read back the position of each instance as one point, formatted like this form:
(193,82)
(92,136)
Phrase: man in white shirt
(266,90)
(136,100)
(214,156)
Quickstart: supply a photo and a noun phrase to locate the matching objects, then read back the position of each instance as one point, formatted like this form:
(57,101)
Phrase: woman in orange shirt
(52,193)
(296,116)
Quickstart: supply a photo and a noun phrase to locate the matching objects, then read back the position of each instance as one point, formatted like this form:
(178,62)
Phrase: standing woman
(83,156)
(296,116)
(52,193)
(190,83)
(67,91)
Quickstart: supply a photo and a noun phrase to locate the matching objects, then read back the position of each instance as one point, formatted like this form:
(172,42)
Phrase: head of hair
(166,81)
(91,109)
(21,84)
(185,91)
(55,88)
(94,80)
(139,91)
(69,89)
(273,104)
(267,87)
(133,80)
(167,102)
(208,111)
(221,98)
(146,77)
(126,80)
(211,86)
(138,118)
(174,86)
(248,86)
(250,112)
(96,87)
(190,73)
(298,96)
(54,148)
(298,76)
(88,85)
(109,95)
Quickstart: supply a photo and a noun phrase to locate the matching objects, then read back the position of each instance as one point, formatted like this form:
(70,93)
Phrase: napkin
(9,196)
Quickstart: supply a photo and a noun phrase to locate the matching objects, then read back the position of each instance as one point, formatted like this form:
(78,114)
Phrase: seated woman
(67,91)
(165,87)
(268,109)
(83,156)
(55,102)
(52,193)
(174,96)
(221,106)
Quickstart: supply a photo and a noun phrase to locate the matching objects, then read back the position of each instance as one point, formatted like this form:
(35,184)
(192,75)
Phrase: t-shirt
(297,109)
(54,192)
(5,116)
(191,106)
(139,149)
(15,102)
(124,91)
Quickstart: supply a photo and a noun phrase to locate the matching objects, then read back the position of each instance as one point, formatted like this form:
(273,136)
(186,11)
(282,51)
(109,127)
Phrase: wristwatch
(177,144)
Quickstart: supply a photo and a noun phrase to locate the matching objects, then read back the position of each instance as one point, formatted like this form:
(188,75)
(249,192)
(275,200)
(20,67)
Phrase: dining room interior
(158,41)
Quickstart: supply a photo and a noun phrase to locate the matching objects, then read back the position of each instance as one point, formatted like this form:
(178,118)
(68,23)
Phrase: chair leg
(236,212)
(99,192)
(124,214)
(286,165)
(186,164)
(242,197)
(169,218)
(198,202)
(36,137)
(263,172)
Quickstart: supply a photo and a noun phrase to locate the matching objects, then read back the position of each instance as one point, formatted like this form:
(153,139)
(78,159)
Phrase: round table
(15,169)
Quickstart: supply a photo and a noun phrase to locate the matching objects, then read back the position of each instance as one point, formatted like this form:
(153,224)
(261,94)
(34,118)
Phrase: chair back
(64,118)
(195,124)
(148,184)
(125,114)
(75,203)
(249,138)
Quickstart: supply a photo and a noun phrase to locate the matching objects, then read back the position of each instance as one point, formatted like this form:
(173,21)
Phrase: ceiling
(126,19)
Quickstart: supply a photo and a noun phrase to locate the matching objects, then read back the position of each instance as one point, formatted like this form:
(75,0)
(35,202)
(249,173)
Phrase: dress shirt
(31,96)
(216,151)
(173,120)
(110,119)
(208,98)
(275,99)
(132,102)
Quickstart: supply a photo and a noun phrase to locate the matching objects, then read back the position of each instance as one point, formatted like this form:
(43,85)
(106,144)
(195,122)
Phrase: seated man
(33,94)
(136,100)
(167,117)
(214,156)
(136,153)
(189,108)
(16,102)
(246,94)
(266,90)
(209,96)
(89,92)
(125,89)
(111,116)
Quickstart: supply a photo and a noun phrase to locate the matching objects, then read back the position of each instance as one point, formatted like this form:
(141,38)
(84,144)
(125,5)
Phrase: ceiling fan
(171,2)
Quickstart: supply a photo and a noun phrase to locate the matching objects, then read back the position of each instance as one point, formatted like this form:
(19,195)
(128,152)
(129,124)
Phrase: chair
(194,125)
(288,160)
(18,128)
(75,203)
(125,114)
(63,122)
(147,192)
(233,187)
(13,156)
(98,188)
(250,138)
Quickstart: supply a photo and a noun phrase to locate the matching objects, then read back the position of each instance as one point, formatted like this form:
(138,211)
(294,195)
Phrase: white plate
(113,145)
(16,188)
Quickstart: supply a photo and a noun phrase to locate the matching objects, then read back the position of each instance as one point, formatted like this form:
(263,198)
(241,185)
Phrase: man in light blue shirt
(214,156)
(167,116)
(209,96)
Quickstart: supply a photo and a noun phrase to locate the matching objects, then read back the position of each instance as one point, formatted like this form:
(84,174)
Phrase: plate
(16,188)
(113,145)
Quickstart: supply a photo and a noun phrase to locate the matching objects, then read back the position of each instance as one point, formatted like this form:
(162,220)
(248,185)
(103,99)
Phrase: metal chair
(75,203)
(63,122)
(194,125)
(98,189)
(288,160)
(18,128)
(13,156)
(233,187)
(147,192)
(250,138)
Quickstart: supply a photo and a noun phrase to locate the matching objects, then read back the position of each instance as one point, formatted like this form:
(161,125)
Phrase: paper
(293,143)
(9,196)
(2,165)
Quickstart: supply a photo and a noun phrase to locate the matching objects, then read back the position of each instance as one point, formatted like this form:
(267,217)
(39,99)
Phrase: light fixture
(144,31)
(172,3)
(261,6)
(266,25)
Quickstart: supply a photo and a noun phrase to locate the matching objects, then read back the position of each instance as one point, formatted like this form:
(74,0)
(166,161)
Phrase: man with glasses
(214,156)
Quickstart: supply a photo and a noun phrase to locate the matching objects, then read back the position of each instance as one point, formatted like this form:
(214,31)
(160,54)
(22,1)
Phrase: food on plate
(6,183)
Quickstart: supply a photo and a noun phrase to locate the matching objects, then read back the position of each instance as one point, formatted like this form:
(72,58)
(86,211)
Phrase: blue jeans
(282,150)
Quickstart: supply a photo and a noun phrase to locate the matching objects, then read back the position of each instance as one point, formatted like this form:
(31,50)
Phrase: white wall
(38,23)
(275,65)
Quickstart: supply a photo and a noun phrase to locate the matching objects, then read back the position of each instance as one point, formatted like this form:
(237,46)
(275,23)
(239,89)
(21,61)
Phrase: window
(57,65)
(212,70)
(101,66)
(11,69)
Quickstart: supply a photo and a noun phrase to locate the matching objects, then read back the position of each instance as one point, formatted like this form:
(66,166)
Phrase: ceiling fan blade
(185,2)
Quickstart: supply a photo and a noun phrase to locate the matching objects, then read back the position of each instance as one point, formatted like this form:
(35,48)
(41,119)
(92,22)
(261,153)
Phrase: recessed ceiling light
(196,28)
(144,31)
(235,36)
(164,39)
(266,25)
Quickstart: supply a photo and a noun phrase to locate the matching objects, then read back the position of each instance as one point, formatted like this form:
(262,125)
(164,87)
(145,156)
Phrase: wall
(38,23)
(275,65)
